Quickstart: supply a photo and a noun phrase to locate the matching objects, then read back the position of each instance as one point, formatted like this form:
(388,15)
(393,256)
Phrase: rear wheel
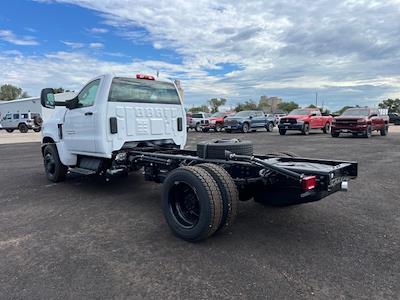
(384,131)
(306,129)
(10,130)
(37,129)
(229,193)
(54,169)
(205,129)
(270,127)
(192,203)
(228,130)
(23,128)
(246,128)
(327,128)
(282,131)
(218,127)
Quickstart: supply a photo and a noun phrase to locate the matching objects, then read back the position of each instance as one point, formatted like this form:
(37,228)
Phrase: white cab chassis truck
(116,124)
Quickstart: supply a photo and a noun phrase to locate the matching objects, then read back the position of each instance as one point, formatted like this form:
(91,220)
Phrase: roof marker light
(146,77)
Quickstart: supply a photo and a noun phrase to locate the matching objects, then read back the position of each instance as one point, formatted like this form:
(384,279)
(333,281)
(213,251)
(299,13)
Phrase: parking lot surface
(84,238)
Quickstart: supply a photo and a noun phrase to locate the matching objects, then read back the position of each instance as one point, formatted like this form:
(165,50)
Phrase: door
(7,121)
(79,125)
(315,120)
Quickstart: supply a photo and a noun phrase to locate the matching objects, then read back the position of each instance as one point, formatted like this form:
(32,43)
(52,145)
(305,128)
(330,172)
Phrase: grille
(230,122)
(204,122)
(288,120)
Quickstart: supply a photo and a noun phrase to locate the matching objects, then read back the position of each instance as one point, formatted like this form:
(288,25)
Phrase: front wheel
(282,131)
(335,134)
(228,130)
(368,132)
(197,128)
(205,129)
(306,129)
(53,167)
(218,128)
(37,129)
(270,127)
(192,203)
(10,130)
(246,128)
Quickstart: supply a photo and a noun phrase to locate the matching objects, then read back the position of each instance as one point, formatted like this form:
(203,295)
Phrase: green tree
(10,92)
(201,108)
(215,103)
(392,104)
(288,106)
(248,105)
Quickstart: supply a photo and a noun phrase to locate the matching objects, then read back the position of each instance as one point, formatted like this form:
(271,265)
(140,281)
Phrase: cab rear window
(142,91)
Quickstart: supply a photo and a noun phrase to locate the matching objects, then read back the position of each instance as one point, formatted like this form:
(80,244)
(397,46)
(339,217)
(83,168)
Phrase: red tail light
(142,76)
(309,182)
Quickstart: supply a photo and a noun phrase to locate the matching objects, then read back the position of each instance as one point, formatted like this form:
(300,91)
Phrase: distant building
(269,104)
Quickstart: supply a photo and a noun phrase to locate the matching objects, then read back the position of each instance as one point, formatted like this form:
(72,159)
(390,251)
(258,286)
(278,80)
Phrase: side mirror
(313,115)
(47,98)
(225,117)
(251,117)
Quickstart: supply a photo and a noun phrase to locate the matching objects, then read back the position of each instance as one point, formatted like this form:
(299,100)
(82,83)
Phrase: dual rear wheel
(199,201)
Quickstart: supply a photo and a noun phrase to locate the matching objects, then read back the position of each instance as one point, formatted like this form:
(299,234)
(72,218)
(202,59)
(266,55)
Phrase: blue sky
(348,51)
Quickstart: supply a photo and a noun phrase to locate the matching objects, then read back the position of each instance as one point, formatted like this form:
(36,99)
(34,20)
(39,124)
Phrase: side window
(24,116)
(15,116)
(87,96)
(8,117)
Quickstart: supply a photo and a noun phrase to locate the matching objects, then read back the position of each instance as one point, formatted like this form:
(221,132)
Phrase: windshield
(356,112)
(304,112)
(143,91)
(244,113)
(217,114)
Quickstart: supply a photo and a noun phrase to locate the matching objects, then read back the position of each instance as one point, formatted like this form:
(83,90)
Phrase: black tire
(38,121)
(229,193)
(53,167)
(197,127)
(246,127)
(192,203)
(228,130)
(23,128)
(215,149)
(37,129)
(327,128)
(335,134)
(10,130)
(282,131)
(368,132)
(384,131)
(270,126)
(205,129)
(306,129)
(218,128)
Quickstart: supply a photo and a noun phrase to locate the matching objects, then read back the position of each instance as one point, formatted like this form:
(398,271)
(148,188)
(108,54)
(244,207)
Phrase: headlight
(300,122)
(333,121)
(212,122)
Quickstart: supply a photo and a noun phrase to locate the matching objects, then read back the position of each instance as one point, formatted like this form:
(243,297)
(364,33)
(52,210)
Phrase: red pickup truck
(360,121)
(215,121)
(304,120)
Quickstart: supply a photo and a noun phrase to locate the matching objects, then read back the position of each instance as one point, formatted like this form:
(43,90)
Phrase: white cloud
(96,45)
(285,48)
(97,30)
(9,36)
(73,45)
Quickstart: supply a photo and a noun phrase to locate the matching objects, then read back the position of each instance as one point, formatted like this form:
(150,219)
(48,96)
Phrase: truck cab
(111,113)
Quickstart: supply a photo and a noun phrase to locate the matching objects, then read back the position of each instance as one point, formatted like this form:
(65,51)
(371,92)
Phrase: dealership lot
(84,238)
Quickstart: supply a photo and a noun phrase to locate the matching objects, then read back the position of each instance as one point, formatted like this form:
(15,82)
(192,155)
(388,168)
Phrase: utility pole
(316,99)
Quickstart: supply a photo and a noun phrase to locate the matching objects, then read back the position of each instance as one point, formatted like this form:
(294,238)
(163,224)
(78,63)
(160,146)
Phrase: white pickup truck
(116,124)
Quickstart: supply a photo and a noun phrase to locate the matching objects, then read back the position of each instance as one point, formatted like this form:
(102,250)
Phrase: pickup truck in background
(394,118)
(360,121)
(248,120)
(304,120)
(194,121)
(215,121)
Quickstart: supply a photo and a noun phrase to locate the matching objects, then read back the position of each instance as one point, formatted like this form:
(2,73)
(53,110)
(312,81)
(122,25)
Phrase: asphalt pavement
(84,238)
